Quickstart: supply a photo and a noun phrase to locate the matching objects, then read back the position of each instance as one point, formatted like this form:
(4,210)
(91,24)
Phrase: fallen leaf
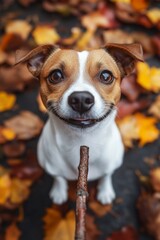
(155,179)
(14,149)
(154,15)
(58,227)
(140,5)
(5,185)
(45,34)
(92,233)
(14,78)
(12,232)
(130,88)
(126,233)
(149,211)
(16,26)
(11,41)
(99,209)
(19,190)
(148,77)
(138,127)
(127,108)
(75,35)
(155,108)
(26,125)
(7,101)
(84,40)
(6,134)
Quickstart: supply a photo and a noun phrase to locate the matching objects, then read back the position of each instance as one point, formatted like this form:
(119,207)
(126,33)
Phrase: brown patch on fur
(99,60)
(67,62)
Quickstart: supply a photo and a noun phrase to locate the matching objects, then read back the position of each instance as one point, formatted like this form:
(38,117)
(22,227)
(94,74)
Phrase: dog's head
(82,88)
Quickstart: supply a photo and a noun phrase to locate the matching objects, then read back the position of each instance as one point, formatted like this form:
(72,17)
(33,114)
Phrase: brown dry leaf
(155,178)
(92,233)
(14,149)
(20,27)
(14,78)
(154,15)
(100,209)
(58,227)
(12,232)
(126,233)
(148,77)
(7,101)
(42,108)
(117,36)
(5,185)
(138,127)
(26,125)
(45,34)
(6,134)
(149,211)
(127,108)
(11,41)
(155,108)
(140,5)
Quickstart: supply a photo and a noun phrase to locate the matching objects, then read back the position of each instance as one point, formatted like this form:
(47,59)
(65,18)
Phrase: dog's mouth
(81,122)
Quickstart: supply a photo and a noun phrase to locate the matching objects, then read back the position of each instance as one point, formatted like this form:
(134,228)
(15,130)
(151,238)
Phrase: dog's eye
(55,76)
(106,77)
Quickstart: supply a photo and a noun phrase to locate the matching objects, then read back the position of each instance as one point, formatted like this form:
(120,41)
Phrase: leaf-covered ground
(26,212)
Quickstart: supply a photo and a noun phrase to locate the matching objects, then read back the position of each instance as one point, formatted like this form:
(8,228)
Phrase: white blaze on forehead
(82,57)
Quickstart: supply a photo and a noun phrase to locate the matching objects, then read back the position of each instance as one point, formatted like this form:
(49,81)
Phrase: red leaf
(126,233)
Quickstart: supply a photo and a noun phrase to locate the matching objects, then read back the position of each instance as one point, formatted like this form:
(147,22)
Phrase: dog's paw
(106,196)
(58,196)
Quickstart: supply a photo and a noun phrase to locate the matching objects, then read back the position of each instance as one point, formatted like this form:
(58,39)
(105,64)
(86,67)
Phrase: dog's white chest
(58,151)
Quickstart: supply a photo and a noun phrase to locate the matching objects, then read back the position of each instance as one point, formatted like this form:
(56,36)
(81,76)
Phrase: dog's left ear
(125,55)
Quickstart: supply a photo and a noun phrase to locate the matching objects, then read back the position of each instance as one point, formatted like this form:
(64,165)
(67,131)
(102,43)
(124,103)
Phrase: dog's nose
(81,101)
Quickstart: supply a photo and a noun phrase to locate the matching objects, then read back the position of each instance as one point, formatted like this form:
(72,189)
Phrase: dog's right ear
(35,58)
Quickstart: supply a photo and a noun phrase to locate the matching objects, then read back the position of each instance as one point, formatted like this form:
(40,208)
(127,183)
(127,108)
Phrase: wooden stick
(82,194)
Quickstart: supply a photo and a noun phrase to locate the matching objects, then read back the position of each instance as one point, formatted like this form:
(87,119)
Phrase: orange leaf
(5,184)
(7,133)
(58,227)
(12,232)
(148,77)
(45,35)
(100,209)
(138,127)
(7,101)
(42,108)
(140,4)
(20,27)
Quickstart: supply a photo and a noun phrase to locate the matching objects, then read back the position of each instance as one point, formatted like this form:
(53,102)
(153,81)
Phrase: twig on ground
(82,194)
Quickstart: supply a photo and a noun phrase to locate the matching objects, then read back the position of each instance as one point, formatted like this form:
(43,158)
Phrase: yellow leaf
(45,35)
(5,184)
(12,232)
(84,40)
(155,108)
(8,133)
(138,127)
(122,1)
(7,101)
(19,190)
(154,15)
(58,227)
(20,27)
(148,77)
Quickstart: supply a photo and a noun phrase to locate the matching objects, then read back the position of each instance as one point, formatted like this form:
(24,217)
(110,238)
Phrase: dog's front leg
(106,192)
(59,191)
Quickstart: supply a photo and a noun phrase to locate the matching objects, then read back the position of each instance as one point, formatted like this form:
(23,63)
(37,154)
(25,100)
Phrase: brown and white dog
(81,91)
